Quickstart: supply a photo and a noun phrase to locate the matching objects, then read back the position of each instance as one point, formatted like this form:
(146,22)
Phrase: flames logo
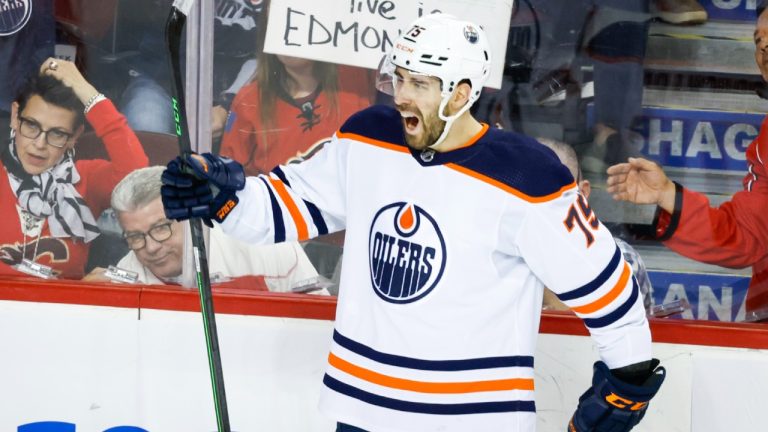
(406,253)
(53,248)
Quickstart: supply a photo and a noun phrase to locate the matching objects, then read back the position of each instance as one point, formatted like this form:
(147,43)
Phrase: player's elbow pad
(612,405)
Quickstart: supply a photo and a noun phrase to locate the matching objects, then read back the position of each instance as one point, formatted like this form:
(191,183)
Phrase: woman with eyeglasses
(47,230)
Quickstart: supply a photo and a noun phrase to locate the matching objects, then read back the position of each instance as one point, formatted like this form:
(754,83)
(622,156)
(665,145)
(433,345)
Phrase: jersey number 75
(583,217)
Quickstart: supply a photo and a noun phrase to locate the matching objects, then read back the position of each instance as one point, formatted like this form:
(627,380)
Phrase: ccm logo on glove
(621,403)
(225,209)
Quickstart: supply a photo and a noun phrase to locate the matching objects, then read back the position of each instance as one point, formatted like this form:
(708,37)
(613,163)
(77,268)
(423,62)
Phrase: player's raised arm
(293,202)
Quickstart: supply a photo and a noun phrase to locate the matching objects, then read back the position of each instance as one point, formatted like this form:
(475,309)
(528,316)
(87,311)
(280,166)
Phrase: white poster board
(360,32)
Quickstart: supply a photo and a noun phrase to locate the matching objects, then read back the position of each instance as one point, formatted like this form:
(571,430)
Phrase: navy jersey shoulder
(379,122)
(520,162)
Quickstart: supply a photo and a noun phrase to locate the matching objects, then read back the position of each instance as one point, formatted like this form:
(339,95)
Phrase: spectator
(617,50)
(145,100)
(234,54)
(735,234)
(568,157)
(49,199)
(27,37)
(159,246)
(291,108)
(611,35)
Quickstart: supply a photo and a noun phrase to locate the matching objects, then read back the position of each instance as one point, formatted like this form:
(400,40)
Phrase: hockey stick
(173,28)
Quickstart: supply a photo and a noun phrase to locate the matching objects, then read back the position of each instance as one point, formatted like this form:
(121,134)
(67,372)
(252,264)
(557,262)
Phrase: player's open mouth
(411,122)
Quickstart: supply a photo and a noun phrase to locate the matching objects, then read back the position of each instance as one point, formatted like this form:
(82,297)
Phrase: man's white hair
(137,189)
(565,153)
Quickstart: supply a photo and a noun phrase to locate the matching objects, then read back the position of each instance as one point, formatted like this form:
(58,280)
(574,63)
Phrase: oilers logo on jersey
(406,253)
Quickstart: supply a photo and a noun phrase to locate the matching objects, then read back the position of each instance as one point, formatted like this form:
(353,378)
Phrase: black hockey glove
(614,405)
(201,186)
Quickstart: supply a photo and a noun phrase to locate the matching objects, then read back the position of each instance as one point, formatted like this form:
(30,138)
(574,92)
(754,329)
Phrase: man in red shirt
(733,235)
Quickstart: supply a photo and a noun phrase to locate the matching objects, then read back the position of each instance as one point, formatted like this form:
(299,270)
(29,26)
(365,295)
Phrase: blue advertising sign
(55,426)
(698,139)
(686,138)
(730,10)
(711,296)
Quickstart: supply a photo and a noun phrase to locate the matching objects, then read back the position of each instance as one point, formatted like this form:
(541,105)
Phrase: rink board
(80,358)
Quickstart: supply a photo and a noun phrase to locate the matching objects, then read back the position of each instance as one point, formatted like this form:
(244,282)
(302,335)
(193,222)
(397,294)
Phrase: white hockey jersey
(445,259)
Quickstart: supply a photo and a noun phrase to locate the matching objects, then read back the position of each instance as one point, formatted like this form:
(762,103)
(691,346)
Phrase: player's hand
(203,186)
(612,405)
(641,181)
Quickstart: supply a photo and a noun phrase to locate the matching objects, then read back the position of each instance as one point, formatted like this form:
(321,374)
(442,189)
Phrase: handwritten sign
(360,32)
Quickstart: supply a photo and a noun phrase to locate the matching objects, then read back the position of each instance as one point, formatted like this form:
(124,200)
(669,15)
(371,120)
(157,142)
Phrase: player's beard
(431,128)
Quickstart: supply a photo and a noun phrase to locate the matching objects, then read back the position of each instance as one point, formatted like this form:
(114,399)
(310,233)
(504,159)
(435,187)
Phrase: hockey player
(453,229)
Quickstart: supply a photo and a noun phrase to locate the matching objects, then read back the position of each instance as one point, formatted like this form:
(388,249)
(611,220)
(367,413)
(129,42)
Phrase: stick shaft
(173,31)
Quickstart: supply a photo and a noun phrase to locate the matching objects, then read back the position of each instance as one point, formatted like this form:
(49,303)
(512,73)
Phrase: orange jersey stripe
(463,170)
(371,141)
(429,387)
(607,298)
(476,137)
(402,149)
(298,219)
(510,189)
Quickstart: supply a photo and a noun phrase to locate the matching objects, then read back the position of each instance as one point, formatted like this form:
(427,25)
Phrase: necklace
(31,225)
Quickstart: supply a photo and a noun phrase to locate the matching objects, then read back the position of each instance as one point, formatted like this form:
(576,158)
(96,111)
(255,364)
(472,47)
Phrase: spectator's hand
(70,76)
(97,275)
(551,302)
(641,181)
(218,120)
(203,186)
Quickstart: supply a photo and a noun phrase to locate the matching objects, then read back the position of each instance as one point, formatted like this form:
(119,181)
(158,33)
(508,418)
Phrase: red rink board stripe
(243,302)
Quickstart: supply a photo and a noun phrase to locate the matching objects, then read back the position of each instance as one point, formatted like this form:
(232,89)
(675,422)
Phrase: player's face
(162,258)
(35,154)
(417,98)
(761,44)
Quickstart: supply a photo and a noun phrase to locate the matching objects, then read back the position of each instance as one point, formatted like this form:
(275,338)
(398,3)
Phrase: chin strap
(449,119)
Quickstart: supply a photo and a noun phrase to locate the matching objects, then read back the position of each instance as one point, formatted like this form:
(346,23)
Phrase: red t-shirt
(296,133)
(736,233)
(97,179)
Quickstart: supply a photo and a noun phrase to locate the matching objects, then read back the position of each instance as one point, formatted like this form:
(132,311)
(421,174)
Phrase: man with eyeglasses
(158,251)
(50,202)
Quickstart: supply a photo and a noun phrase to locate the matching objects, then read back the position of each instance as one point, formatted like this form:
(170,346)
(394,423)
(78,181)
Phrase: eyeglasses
(158,233)
(53,137)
